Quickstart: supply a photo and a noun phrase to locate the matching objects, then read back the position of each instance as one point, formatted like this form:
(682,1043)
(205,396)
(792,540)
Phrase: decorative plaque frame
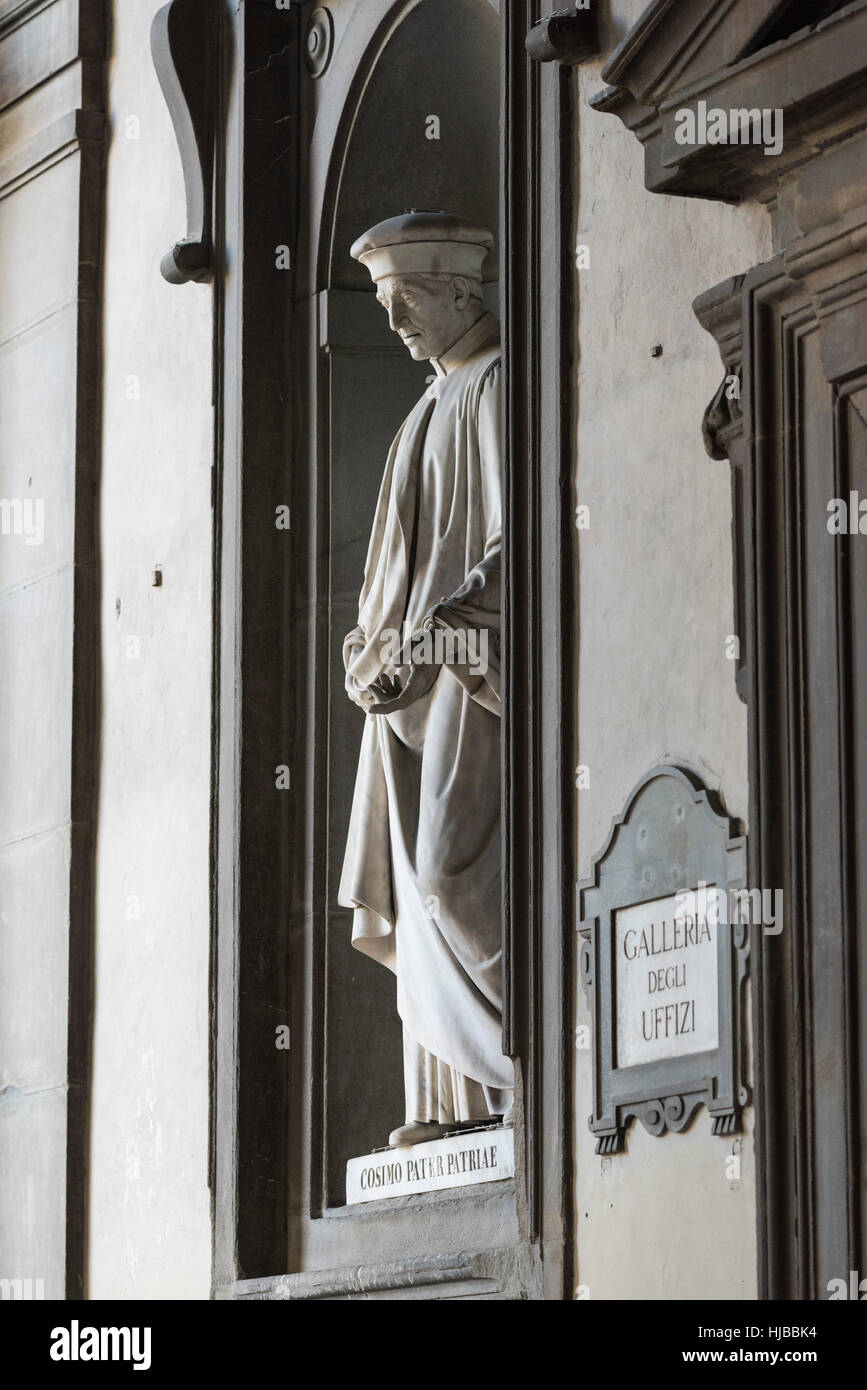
(673,837)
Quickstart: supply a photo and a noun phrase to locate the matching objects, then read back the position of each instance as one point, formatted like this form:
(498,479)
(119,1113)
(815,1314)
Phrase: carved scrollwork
(724,416)
(585,965)
(183,44)
(726,1123)
(613,1143)
(674,1113)
(319,42)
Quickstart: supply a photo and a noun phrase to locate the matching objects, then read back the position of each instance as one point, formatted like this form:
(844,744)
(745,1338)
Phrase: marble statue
(422,869)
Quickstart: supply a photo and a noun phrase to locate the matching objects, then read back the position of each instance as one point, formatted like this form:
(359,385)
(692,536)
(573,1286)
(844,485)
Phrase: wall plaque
(662,961)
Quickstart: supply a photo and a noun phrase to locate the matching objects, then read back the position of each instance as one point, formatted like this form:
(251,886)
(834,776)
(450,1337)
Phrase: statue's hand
(421,679)
(386,687)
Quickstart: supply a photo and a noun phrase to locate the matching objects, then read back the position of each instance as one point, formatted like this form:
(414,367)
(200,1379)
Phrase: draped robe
(422,867)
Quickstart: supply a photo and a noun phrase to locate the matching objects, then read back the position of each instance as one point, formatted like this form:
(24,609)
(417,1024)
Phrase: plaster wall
(655,611)
(149,1200)
(38,347)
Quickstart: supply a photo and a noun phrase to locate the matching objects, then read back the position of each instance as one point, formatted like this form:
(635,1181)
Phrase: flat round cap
(419,243)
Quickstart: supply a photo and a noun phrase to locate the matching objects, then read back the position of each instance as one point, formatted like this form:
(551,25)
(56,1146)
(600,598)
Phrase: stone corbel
(720,313)
(724,416)
(567,36)
(183,46)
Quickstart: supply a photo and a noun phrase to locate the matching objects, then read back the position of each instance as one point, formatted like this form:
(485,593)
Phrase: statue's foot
(417,1132)
(508,1119)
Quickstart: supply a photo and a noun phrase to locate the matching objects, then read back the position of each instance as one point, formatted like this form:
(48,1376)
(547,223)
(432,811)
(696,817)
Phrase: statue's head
(430,312)
(427,268)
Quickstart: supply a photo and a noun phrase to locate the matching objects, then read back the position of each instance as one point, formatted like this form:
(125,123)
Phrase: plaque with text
(663,960)
(457,1160)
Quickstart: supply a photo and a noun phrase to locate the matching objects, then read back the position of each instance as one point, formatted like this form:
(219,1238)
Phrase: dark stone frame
(254,1100)
(808,983)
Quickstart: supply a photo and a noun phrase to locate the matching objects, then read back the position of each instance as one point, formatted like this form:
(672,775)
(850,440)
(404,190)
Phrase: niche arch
(418,60)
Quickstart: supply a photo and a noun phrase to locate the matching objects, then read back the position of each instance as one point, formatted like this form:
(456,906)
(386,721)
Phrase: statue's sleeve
(472,612)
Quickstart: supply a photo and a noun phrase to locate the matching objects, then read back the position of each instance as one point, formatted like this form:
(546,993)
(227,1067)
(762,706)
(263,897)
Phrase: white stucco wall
(662,1220)
(38,346)
(149,1201)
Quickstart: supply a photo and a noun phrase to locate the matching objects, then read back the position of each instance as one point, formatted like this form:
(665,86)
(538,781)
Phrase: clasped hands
(386,694)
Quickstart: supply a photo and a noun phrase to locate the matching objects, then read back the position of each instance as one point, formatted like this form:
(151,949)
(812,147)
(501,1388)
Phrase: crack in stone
(254,72)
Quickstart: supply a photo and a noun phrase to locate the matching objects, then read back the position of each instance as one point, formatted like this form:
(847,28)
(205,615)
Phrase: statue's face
(428,314)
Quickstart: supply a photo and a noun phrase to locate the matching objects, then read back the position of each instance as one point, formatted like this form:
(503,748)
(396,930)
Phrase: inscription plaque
(662,962)
(458,1160)
(667,980)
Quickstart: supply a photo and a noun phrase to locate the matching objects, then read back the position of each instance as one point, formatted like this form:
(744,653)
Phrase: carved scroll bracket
(723,418)
(720,313)
(183,46)
(319,44)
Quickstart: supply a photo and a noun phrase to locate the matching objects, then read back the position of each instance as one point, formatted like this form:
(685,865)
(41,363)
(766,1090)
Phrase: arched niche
(370,157)
(426,130)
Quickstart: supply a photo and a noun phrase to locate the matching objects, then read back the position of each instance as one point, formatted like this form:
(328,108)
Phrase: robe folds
(422,869)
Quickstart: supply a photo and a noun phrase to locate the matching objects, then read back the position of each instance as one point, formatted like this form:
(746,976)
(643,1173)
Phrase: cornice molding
(816,77)
(76,130)
(456,1275)
(16,12)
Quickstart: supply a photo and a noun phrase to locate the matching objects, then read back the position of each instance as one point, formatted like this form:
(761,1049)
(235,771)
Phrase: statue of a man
(422,867)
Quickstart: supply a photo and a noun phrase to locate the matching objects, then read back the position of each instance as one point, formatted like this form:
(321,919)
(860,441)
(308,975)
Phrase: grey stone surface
(50,218)
(34,882)
(33,1191)
(37,448)
(36,698)
(654,612)
(39,236)
(149,1208)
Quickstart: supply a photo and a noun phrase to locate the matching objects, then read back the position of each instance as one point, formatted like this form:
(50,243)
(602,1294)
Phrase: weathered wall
(655,684)
(50,163)
(149,1216)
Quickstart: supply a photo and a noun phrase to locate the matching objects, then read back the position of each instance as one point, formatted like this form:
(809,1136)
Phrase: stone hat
(419,243)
